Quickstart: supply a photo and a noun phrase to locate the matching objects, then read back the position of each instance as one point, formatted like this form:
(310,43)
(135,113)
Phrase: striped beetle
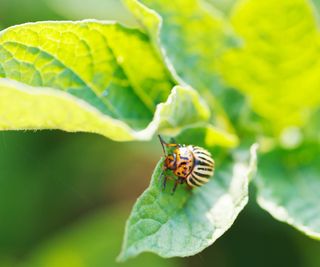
(191,164)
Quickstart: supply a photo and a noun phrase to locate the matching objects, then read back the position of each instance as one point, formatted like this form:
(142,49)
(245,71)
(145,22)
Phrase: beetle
(190,164)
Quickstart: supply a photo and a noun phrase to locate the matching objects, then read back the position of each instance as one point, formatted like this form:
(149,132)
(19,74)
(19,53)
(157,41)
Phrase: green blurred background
(64,198)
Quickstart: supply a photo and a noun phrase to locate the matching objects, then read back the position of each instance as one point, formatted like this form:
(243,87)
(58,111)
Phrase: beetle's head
(170,161)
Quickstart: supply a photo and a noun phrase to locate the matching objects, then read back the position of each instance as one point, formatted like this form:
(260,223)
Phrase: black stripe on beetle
(202,175)
(203,164)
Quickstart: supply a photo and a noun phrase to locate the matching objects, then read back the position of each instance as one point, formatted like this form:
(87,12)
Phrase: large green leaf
(187,222)
(288,187)
(92,242)
(90,76)
(113,68)
(278,65)
(26,107)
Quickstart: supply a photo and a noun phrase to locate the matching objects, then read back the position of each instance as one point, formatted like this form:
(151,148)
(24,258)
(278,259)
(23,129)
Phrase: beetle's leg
(163,179)
(184,181)
(180,180)
(161,175)
(176,182)
(164,183)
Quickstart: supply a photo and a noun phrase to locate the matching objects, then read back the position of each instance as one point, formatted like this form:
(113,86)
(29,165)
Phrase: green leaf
(187,222)
(93,241)
(191,36)
(90,76)
(45,108)
(288,187)
(278,65)
(111,67)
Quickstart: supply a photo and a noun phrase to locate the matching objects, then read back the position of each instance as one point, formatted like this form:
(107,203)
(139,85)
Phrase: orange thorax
(184,161)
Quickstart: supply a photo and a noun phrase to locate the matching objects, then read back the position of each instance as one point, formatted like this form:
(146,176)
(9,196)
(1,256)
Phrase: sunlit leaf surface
(90,76)
(278,65)
(46,108)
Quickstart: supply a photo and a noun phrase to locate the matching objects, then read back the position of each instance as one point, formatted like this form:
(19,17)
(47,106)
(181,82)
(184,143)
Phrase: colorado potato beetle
(190,164)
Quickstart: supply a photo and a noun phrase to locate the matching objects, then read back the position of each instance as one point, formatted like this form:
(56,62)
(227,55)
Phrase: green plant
(219,76)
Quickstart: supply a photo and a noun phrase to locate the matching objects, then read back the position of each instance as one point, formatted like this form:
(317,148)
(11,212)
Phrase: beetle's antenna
(163,143)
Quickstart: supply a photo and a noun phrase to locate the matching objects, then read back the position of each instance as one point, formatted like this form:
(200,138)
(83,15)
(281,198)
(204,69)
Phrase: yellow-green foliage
(216,75)
(278,63)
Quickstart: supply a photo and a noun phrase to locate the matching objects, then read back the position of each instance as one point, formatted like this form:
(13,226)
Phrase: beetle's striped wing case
(203,167)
